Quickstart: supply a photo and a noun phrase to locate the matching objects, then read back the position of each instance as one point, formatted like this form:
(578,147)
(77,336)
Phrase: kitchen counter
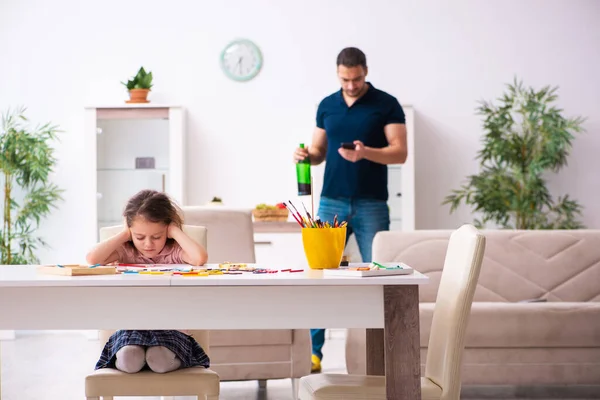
(276,227)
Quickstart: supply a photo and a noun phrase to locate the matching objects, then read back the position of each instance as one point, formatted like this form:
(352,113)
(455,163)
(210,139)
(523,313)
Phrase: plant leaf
(525,137)
(26,159)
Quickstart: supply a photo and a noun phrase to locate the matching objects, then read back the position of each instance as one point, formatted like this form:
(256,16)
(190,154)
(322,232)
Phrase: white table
(29,300)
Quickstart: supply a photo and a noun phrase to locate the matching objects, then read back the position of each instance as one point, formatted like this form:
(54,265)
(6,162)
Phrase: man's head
(352,71)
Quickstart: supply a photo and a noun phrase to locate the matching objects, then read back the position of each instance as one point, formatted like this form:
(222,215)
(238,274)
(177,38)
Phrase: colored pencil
(310,218)
(308,221)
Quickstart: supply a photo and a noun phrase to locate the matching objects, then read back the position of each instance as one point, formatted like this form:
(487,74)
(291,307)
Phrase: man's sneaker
(316,364)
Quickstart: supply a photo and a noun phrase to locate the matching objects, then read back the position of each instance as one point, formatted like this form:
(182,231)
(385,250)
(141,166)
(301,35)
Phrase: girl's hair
(153,206)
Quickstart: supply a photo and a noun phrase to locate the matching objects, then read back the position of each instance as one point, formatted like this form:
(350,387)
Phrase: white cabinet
(401,183)
(129,148)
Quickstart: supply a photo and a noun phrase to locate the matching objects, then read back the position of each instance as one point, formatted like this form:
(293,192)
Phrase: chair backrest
(462,264)
(197,233)
(231,236)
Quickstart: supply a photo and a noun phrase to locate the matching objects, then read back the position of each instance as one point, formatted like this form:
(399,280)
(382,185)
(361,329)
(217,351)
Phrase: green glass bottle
(303,176)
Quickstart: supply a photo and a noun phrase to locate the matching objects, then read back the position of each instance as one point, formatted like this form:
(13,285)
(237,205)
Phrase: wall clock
(241,60)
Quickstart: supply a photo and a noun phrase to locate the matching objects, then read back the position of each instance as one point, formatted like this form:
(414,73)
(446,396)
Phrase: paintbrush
(306,224)
(293,215)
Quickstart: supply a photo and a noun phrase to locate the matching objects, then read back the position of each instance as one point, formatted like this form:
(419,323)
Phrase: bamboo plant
(26,160)
(526,137)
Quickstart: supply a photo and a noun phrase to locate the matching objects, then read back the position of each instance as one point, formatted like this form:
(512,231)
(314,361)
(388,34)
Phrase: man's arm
(395,153)
(317,149)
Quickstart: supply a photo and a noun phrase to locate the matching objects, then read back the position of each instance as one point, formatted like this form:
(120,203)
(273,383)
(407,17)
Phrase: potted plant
(26,161)
(216,201)
(139,86)
(526,137)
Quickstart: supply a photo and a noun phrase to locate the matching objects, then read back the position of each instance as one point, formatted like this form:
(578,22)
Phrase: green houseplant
(26,160)
(139,86)
(526,136)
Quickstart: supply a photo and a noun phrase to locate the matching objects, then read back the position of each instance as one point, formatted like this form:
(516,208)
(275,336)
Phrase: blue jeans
(365,218)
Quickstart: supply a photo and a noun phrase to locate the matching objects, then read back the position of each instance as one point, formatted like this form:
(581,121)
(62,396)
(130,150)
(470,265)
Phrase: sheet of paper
(156,267)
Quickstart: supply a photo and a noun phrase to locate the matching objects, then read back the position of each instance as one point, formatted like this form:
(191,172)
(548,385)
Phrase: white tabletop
(27,275)
(308,277)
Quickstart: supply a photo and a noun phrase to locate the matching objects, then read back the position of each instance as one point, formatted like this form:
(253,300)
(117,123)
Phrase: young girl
(152,234)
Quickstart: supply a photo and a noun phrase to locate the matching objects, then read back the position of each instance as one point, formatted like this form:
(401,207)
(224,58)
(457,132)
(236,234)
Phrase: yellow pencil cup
(324,247)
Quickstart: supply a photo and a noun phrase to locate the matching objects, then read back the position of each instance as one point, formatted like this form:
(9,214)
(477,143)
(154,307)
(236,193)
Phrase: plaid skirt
(184,346)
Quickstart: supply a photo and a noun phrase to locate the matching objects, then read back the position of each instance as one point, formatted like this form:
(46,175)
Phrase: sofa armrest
(356,351)
(300,353)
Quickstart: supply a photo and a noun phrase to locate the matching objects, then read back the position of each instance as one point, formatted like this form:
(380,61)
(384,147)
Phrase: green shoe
(316,364)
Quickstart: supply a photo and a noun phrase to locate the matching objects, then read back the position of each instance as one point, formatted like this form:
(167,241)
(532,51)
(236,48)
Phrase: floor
(51,365)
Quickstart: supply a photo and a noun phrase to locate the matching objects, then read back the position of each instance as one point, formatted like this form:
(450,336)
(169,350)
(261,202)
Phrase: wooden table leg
(401,341)
(375,352)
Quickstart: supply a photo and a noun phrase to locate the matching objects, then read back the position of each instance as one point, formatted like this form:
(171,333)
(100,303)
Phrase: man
(355,182)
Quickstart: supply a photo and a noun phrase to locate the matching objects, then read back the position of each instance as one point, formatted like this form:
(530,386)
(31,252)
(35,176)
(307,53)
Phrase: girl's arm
(193,253)
(106,252)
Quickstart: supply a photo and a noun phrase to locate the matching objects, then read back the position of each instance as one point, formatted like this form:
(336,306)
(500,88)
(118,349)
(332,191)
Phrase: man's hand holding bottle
(300,154)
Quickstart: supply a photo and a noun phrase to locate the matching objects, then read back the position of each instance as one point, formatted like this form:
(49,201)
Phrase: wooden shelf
(132,105)
(132,169)
(133,111)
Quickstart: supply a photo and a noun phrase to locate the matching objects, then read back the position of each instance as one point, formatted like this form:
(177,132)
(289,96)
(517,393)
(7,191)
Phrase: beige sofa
(513,338)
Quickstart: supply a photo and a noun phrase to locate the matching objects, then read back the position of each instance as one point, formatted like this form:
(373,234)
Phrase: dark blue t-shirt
(363,121)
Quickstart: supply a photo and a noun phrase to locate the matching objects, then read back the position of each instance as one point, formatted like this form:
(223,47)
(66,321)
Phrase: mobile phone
(349,146)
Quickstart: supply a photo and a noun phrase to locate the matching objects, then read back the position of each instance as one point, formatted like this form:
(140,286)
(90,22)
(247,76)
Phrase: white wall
(439,56)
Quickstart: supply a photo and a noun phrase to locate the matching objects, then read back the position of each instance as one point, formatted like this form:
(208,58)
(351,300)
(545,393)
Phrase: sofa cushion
(531,325)
(250,337)
(528,366)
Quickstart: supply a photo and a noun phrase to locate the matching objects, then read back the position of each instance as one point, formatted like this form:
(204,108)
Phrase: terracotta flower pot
(138,96)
